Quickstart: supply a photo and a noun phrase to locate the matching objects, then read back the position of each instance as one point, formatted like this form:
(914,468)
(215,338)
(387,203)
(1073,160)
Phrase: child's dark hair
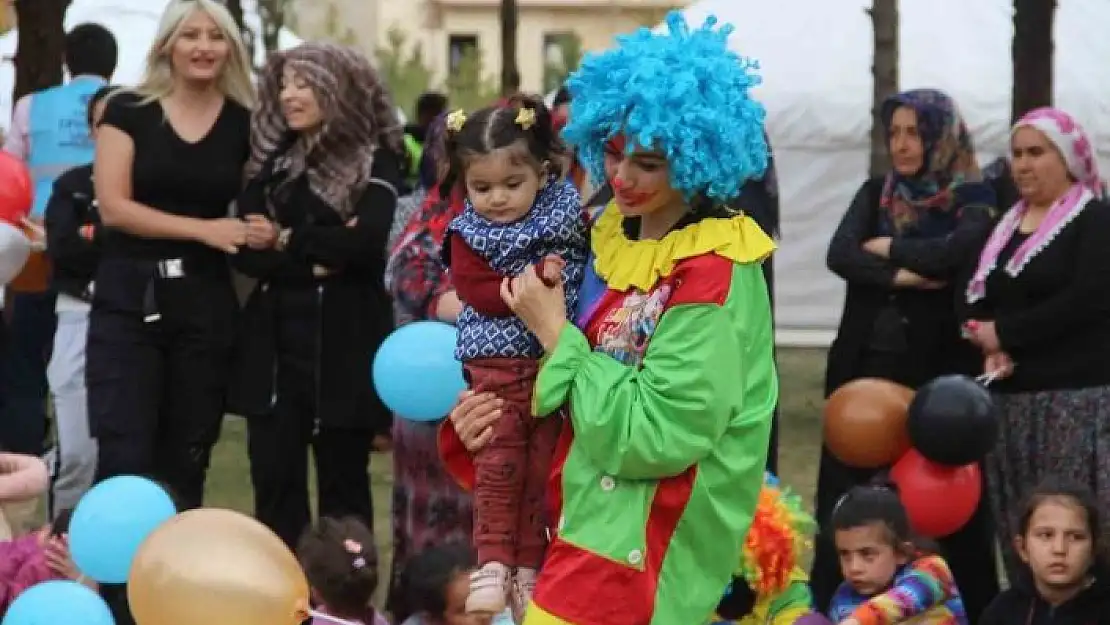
(96,98)
(1055,489)
(427,576)
(497,127)
(341,563)
(874,503)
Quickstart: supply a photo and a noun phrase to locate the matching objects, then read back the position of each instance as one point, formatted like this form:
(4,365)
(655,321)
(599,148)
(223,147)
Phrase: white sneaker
(489,589)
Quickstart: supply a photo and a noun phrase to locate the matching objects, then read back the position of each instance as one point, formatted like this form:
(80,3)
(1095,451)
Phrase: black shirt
(169,174)
(1053,318)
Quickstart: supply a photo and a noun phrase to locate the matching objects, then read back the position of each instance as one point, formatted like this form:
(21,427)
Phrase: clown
(770,587)
(665,376)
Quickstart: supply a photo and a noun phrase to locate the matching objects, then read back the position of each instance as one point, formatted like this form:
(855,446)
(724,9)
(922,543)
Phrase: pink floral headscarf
(1079,157)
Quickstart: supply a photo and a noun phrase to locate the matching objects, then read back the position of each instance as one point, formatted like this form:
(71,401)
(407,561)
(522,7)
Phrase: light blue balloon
(415,371)
(111,521)
(58,603)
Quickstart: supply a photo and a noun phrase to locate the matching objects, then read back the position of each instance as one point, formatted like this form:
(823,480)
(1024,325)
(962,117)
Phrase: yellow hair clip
(526,118)
(455,120)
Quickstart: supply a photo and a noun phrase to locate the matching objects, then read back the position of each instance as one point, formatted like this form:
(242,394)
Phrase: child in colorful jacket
(887,579)
(666,379)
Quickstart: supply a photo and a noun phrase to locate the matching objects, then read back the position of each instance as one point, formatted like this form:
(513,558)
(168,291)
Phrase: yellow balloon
(216,566)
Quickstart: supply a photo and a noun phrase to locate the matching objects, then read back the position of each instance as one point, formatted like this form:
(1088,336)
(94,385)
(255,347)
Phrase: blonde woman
(169,161)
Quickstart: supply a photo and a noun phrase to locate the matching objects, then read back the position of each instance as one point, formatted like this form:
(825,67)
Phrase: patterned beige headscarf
(358,119)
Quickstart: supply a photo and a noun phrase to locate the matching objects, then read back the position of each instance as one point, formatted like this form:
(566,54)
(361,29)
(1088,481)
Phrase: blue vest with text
(59,134)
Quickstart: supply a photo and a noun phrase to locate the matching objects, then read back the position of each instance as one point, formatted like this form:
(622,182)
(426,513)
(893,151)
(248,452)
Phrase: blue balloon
(111,521)
(416,373)
(58,603)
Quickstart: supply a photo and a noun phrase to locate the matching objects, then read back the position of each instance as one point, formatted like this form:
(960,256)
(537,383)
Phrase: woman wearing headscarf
(326,150)
(429,506)
(901,247)
(1040,312)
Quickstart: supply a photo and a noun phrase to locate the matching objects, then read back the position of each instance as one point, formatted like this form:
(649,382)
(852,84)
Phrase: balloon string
(316,614)
(987,378)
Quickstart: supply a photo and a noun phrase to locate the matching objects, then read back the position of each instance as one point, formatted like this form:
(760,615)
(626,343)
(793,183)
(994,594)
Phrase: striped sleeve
(924,584)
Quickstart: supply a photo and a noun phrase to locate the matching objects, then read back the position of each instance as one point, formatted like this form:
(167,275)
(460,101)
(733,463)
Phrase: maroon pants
(511,471)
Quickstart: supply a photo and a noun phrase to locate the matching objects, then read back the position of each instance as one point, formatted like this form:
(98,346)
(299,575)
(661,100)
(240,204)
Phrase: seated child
(23,478)
(1065,581)
(341,563)
(436,584)
(770,588)
(42,555)
(887,581)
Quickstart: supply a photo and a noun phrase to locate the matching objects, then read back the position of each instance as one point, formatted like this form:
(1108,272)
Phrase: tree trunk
(510,75)
(40,53)
(884,17)
(272,15)
(1032,55)
(235,7)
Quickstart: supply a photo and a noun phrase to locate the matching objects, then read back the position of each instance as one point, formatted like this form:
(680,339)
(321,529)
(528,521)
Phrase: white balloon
(15,247)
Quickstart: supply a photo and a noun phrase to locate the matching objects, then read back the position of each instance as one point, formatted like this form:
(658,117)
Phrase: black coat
(354,313)
(74,257)
(930,318)
(1022,605)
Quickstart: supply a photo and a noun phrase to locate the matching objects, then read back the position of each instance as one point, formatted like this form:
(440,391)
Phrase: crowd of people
(227,243)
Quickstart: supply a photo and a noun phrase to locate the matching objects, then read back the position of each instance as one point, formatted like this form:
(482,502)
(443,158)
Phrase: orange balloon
(865,422)
(216,566)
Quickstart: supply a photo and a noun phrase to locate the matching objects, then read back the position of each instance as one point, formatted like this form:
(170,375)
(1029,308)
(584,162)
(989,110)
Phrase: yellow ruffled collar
(623,263)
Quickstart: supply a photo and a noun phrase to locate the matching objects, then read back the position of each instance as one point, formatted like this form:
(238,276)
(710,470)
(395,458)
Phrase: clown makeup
(641,180)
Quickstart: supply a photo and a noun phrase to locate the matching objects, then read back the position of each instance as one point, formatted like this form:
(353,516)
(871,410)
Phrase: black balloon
(952,421)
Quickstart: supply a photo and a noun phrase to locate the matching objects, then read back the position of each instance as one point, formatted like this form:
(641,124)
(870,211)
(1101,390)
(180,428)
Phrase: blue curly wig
(683,93)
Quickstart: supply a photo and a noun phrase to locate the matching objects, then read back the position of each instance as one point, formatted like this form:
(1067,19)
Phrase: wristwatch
(283,239)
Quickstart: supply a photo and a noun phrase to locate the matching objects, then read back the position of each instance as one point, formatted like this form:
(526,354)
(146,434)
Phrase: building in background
(550,33)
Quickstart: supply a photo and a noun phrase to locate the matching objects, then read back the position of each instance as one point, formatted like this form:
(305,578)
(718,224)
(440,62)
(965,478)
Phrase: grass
(801,374)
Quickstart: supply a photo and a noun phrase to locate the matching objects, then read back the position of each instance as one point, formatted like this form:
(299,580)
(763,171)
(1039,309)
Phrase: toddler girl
(341,564)
(519,212)
(886,580)
(1065,581)
(436,585)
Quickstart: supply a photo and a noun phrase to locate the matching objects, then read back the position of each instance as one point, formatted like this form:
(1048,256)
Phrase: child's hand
(551,269)
(849,621)
(56,549)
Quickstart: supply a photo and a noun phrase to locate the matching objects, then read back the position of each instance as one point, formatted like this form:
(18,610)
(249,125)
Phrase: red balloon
(16,189)
(939,499)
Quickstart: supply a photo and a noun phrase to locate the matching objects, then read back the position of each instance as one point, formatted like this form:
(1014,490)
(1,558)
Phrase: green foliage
(407,74)
(555,73)
(337,31)
(403,70)
(468,86)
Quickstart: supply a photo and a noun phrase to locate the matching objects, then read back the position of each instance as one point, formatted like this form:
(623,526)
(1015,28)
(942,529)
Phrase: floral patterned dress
(428,505)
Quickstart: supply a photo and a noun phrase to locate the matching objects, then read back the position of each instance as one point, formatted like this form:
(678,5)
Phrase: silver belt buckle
(171,268)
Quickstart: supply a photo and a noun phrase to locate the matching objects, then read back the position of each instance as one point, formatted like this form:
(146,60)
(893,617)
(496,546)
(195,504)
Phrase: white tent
(816,59)
(134,23)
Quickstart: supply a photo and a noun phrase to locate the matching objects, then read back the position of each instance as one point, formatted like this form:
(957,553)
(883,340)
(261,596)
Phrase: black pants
(278,443)
(156,389)
(773,445)
(969,552)
(23,359)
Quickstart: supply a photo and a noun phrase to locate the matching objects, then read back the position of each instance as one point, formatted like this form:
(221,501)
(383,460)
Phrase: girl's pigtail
(541,129)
